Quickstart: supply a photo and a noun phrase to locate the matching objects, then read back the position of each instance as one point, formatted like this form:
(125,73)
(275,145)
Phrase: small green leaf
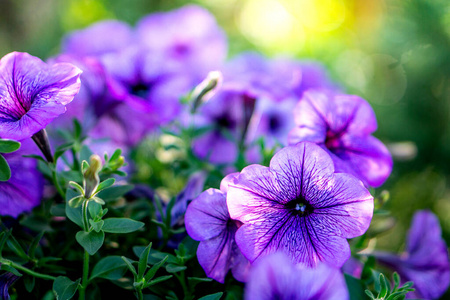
(116,154)
(157,280)
(96,225)
(64,288)
(215,296)
(110,267)
(34,244)
(76,186)
(90,241)
(84,166)
(74,214)
(77,130)
(5,171)
(142,266)
(383,287)
(94,209)
(171,268)
(355,288)
(38,157)
(396,278)
(369,293)
(76,201)
(8,146)
(129,265)
(14,245)
(121,225)
(105,184)
(98,200)
(29,282)
(61,149)
(151,273)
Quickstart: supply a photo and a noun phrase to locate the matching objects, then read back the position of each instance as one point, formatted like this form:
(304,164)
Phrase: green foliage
(386,292)
(64,288)
(90,241)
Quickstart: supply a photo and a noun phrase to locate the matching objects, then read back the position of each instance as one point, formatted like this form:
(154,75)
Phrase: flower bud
(206,89)
(91,179)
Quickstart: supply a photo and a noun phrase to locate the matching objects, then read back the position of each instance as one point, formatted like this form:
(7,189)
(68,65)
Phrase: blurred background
(394,53)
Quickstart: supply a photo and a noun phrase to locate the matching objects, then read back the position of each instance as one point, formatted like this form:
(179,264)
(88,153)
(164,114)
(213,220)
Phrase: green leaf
(396,278)
(76,201)
(142,266)
(90,241)
(121,225)
(171,268)
(94,209)
(355,288)
(29,282)
(129,265)
(105,184)
(110,267)
(65,288)
(98,200)
(76,186)
(38,157)
(155,255)
(193,281)
(8,146)
(35,244)
(74,214)
(157,280)
(14,245)
(10,269)
(3,238)
(77,130)
(215,296)
(96,225)
(84,166)
(5,171)
(151,273)
(61,149)
(115,192)
(383,286)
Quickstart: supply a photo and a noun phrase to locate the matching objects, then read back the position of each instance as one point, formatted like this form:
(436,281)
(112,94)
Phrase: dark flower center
(224,121)
(332,141)
(181,49)
(274,123)
(140,90)
(300,206)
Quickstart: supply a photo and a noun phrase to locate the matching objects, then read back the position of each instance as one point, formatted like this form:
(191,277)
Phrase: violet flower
(207,220)
(343,125)
(425,261)
(299,206)
(24,189)
(6,280)
(275,277)
(33,93)
(99,39)
(189,37)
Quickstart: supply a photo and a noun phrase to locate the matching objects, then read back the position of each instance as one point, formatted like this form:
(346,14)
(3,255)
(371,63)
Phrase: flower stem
(56,183)
(139,293)
(84,282)
(28,271)
(41,140)
(181,279)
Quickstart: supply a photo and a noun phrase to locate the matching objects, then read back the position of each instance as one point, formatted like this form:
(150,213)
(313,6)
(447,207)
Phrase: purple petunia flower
(299,206)
(33,93)
(426,260)
(99,39)
(343,125)
(275,277)
(207,220)
(189,37)
(24,189)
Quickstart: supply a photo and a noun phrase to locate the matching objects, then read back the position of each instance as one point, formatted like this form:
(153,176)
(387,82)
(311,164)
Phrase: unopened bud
(91,178)
(206,89)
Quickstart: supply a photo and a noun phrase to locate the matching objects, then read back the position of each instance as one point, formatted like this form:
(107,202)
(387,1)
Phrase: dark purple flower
(33,93)
(299,206)
(6,280)
(343,125)
(275,277)
(193,188)
(207,220)
(189,37)
(97,96)
(425,261)
(24,189)
(99,39)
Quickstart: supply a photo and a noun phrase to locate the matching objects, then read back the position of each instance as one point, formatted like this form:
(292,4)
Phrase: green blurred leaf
(115,192)
(142,266)
(215,296)
(105,184)
(355,288)
(74,214)
(171,268)
(158,280)
(8,146)
(65,288)
(5,171)
(151,273)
